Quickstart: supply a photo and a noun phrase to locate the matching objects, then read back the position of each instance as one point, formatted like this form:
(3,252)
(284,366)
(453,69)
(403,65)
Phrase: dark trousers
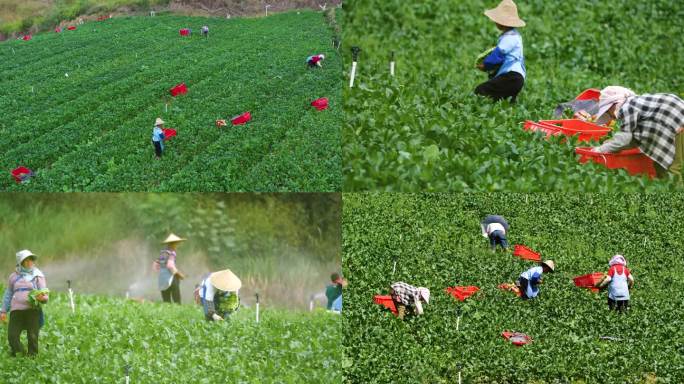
(172,292)
(618,305)
(505,86)
(523,283)
(157,148)
(498,237)
(27,320)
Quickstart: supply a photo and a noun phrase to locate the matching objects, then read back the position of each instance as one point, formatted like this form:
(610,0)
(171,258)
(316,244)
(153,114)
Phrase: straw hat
(158,121)
(506,14)
(23,255)
(550,264)
(173,239)
(225,281)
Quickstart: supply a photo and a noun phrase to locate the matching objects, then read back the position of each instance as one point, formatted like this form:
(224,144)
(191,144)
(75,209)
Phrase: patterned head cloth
(424,294)
(617,260)
(613,95)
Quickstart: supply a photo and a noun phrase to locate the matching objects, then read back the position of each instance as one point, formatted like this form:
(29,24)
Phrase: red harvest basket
(589,94)
(241,119)
(516,338)
(585,131)
(320,104)
(179,89)
(589,280)
(184,32)
(525,253)
(632,160)
(71,28)
(385,301)
(21,174)
(26,38)
(169,133)
(462,293)
(538,127)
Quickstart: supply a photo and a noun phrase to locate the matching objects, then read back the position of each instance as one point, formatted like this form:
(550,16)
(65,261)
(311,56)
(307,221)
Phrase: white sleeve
(208,290)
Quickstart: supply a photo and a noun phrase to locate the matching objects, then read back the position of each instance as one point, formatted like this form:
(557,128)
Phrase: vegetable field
(425,130)
(436,241)
(79,106)
(174,344)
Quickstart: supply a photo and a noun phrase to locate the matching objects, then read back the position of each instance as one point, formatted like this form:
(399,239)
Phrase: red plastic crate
(525,253)
(241,119)
(71,28)
(320,104)
(589,94)
(184,32)
(516,338)
(510,287)
(462,293)
(58,30)
(584,130)
(26,38)
(169,133)
(385,301)
(545,128)
(589,280)
(21,174)
(179,89)
(632,160)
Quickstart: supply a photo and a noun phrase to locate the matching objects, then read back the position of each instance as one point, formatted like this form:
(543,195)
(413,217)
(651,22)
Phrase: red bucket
(320,104)
(58,30)
(21,174)
(179,89)
(462,293)
(71,28)
(26,38)
(525,253)
(632,160)
(241,119)
(584,131)
(184,32)
(544,128)
(385,301)
(169,133)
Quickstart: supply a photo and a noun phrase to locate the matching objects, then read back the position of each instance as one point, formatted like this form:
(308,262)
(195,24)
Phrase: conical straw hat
(506,14)
(225,281)
(173,239)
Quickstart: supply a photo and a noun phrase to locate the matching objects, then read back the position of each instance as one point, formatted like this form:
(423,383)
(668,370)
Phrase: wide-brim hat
(23,255)
(506,14)
(158,121)
(550,264)
(172,238)
(225,281)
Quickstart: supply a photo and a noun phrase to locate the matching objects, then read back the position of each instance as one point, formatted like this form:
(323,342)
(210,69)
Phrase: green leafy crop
(425,130)
(163,343)
(91,130)
(436,241)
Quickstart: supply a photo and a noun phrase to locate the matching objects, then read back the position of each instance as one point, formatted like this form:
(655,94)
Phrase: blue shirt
(533,275)
(508,53)
(158,135)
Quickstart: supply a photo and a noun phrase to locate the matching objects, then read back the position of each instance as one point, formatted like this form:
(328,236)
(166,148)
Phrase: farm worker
(219,295)
(509,79)
(25,314)
(407,297)
(315,60)
(169,275)
(529,281)
(652,122)
(619,280)
(494,227)
(333,292)
(205,31)
(158,137)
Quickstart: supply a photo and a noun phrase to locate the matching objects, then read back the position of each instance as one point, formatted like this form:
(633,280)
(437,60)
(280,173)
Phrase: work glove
(216,317)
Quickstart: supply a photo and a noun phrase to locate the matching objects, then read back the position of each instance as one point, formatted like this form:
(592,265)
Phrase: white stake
(392,68)
(166,107)
(459,377)
(71,297)
(127,369)
(458,321)
(257,308)
(32,90)
(394,269)
(13,51)
(267,7)
(311,303)
(353,73)
(127,295)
